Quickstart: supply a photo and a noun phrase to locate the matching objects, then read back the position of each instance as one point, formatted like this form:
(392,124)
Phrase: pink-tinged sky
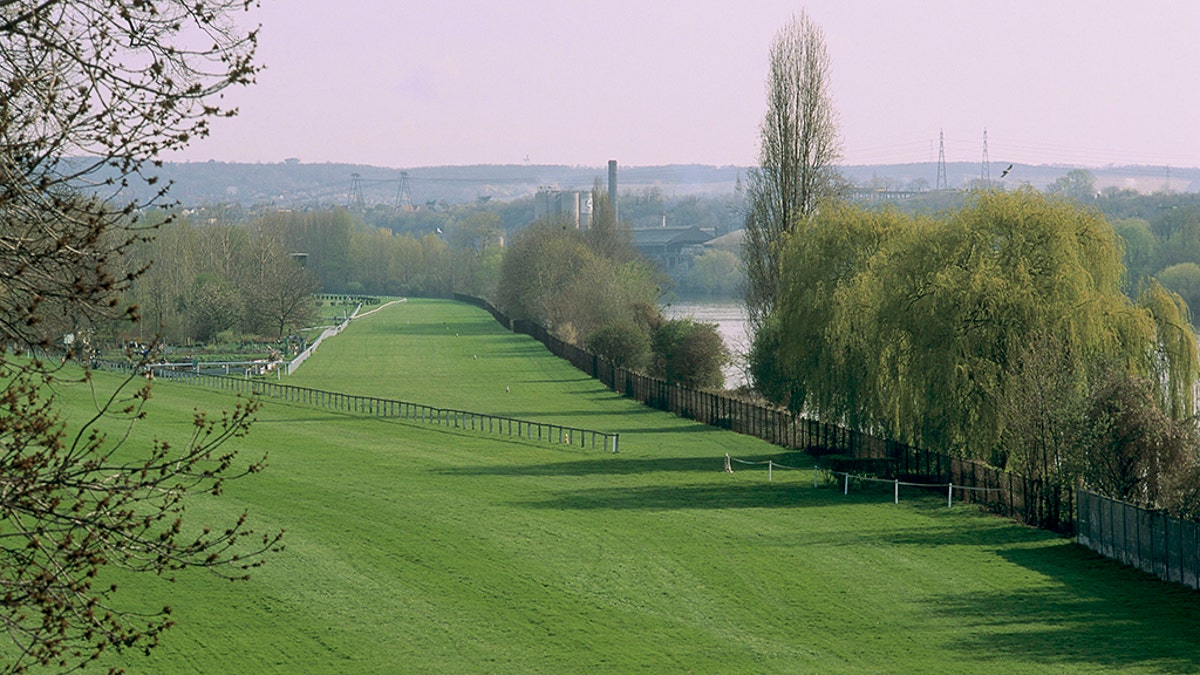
(405,83)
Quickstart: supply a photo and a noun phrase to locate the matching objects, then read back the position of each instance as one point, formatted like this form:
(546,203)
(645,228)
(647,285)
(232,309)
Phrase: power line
(1024,150)
(403,194)
(356,192)
(941,166)
(985,174)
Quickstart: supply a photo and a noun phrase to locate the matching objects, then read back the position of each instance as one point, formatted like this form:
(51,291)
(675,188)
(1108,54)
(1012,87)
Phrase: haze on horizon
(440,82)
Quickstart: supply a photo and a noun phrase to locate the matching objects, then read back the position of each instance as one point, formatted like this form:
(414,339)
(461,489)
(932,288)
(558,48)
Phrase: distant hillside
(293,184)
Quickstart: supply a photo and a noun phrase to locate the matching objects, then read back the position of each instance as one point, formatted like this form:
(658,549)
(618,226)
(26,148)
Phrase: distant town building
(673,248)
(731,242)
(572,207)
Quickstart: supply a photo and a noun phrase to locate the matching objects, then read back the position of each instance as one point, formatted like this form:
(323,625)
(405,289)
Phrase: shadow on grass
(988,531)
(522,348)
(609,466)
(1098,614)
(618,466)
(450,431)
(301,420)
(559,413)
(630,435)
(683,427)
(558,380)
(596,393)
(691,497)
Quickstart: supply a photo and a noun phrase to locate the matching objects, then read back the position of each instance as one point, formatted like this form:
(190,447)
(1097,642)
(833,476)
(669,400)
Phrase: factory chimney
(612,189)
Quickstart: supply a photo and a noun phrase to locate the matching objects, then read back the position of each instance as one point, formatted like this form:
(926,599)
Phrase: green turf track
(418,549)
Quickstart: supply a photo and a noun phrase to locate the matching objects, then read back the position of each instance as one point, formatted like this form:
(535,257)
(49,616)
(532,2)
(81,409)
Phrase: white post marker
(950,496)
(770,471)
(846,485)
(897,490)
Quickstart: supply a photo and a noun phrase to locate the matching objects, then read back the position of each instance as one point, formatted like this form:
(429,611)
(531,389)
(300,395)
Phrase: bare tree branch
(92,93)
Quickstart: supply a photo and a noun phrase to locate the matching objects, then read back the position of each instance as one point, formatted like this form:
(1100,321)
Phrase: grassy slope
(415,549)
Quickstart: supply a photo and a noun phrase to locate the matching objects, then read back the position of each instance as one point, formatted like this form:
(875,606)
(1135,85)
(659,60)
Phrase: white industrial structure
(569,206)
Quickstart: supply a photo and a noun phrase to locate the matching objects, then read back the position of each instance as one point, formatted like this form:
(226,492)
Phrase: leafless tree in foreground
(92,92)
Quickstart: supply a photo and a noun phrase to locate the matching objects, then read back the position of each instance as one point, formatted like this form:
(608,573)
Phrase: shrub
(625,343)
(690,353)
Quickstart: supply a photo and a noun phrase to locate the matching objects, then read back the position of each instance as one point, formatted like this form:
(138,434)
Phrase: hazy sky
(431,82)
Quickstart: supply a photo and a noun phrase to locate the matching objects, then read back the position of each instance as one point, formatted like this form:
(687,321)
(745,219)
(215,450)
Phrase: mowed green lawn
(420,549)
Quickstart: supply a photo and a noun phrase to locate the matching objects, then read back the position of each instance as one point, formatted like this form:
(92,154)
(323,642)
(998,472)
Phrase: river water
(730,317)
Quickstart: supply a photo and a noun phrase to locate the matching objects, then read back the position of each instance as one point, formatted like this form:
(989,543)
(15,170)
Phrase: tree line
(591,288)
(206,278)
(1159,232)
(201,276)
(1005,328)
(207,281)
(999,331)
(460,252)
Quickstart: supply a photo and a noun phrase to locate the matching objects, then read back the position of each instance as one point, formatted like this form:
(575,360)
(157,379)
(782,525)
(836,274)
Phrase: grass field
(421,549)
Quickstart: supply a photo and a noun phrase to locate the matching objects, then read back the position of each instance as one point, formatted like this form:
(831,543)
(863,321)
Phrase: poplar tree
(799,146)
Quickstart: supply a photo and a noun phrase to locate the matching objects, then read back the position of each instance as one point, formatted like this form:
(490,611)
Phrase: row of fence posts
(381,407)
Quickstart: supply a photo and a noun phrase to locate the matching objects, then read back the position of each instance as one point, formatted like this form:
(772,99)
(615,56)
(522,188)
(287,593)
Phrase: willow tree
(794,358)
(798,150)
(928,330)
(92,92)
(1173,351)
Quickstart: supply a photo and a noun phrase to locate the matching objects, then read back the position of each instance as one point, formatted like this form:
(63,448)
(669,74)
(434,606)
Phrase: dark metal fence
(1149,540)
(381,407)
(484,304)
